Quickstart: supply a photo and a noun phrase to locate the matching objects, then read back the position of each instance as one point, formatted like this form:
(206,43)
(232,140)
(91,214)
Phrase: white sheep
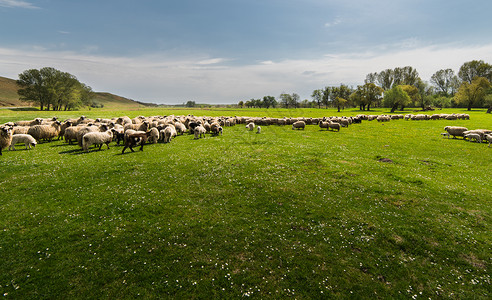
(46,132)
(455,130)
(299,125)
(199,132)
(96,138)
(488,138)
(5,137)
(474,136)
(250,126)
(168,133)
(154,135)
(27,139)
(180,128)
(258,129)
(20,129)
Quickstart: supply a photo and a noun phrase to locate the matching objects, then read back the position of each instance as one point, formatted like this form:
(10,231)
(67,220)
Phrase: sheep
(46,132)
(199,131)
(216,129)
(124,120)
(64,127)
(333,126)
(96,138)
(180,128)
(299,125)
(76,122)
(324,125)
(5,137)
(135,138)
(445,134)
(143,126)
(471,136)
(37,121)
(480,132)
(488,138)
(71,133)
(250,126)
(20,129)
(455,130)
(383,118)
(154,135)
(168,133)
(258,129)
(27,139)
(87,129)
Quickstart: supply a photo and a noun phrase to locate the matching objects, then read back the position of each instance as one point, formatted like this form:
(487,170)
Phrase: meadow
(285,213)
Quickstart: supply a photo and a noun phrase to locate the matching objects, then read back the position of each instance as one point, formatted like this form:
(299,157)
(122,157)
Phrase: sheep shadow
(72,152)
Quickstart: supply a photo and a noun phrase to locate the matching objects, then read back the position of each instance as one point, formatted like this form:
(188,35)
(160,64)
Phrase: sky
(224,51)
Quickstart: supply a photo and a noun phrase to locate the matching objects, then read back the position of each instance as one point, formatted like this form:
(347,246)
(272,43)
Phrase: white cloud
(17,4)
(160,78)
(334,22)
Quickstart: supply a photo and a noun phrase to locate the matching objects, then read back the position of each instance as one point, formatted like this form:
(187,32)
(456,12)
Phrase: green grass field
(301,214)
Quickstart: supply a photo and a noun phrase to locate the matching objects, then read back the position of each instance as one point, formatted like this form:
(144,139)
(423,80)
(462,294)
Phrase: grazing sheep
(20,129)
(199,132)
(5,137)
(216,129)
(250,126)
(27,139)
(37,121)
(488,138)
(180,128)
(333,126)
(87,129)
(455,130)
(142,126)
(258,129)
(154,135)
(481,132)
(71,133)
(324,125)
(474,136)
(45,132)
(76,122)
(135,138)
(299,125)
(445,134)
(383,118)
(96,138)
(124,120)
(168,133)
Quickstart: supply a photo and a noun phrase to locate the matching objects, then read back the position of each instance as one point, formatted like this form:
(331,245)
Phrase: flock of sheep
(141,130)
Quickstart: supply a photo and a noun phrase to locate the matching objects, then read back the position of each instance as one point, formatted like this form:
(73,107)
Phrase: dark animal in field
(135,139)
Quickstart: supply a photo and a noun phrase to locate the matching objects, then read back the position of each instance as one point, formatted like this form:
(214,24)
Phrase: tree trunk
(489,110)
(393,109)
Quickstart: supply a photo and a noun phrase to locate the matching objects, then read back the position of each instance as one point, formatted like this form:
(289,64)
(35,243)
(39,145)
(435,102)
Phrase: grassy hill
(9,97)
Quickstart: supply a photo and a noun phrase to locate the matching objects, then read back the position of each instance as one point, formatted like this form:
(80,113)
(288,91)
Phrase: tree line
(399,88)
(53,89)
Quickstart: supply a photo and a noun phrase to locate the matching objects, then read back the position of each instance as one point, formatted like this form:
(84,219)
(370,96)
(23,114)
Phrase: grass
(305,214)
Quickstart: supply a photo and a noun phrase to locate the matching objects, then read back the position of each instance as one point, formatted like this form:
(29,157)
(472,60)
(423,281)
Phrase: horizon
(223,52)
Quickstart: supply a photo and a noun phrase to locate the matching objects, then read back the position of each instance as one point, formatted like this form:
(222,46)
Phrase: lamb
(199,131)
(480,132)
(96,138)
(455,130)
(488,138)
(474,136)
(250,126)
(180,128)
(46,132)
(5,137)
(445,134)
(299,125)
(135,138)
(168,133)
(154,135)
(27,139)
(258,129)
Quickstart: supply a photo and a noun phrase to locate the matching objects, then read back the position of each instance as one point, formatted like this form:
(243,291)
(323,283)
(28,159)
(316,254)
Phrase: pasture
(285,213)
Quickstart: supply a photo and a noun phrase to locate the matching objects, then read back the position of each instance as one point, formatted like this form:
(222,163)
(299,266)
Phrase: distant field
(286,213)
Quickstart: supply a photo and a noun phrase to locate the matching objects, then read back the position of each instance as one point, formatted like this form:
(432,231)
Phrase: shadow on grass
(24,109)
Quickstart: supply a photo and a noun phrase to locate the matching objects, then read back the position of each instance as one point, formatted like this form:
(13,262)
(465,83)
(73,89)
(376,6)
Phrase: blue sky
(220,51)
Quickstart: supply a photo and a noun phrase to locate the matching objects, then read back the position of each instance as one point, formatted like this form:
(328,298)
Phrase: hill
(9,97)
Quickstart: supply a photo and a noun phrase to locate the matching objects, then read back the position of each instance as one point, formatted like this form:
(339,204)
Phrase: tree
(241,104)
(405,76)
(295,100)
(395,97)
(385,79)
(340,96)
(285,100)
(475,68)
(413,93)
(371,78)
(32,87)
(443,80)
(367,95)
(317,96)
(472,93)
(326,96)
(269,101)
(190,104)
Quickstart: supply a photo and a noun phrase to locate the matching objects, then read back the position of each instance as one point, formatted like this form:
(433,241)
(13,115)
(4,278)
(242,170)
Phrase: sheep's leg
(100,146)
(107,144)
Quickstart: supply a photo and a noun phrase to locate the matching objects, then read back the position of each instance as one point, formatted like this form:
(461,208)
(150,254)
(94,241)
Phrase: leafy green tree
(414,95)
(326,96)
(395,97)
(295,98)
(472,93)
(269,101)
(190,104)
(405,76)
(241,104)
(475,68)
(443,80)
(285,100)
(366,95)
(340,96)
(32,87)
(317,96)
(385,79)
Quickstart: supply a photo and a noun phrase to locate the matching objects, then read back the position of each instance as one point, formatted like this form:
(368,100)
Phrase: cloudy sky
(223,51)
